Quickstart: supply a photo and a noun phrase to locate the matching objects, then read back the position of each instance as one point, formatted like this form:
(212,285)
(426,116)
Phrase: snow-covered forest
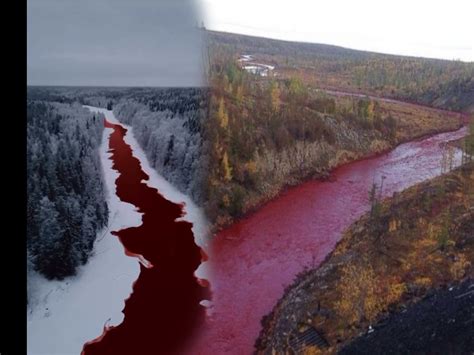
(167,123)
(66,204)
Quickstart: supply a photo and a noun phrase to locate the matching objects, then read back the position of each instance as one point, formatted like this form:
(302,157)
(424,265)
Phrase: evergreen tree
(66,199)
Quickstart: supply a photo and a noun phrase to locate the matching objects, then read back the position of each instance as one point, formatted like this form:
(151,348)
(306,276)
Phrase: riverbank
(328,174)
(165,303)
(66,314)
(272,129)
(256,258)
(265,135)
(418,240)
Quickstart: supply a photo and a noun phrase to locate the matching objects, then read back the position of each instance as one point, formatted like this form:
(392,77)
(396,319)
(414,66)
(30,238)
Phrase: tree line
(167,124)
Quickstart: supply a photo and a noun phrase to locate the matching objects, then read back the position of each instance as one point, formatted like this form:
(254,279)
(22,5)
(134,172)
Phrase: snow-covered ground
(64,315)
(245,58)
(253,67)
(193,213)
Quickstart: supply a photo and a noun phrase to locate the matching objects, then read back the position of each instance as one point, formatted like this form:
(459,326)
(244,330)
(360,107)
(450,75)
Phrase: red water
(163,309)
(253,260)
(250,263)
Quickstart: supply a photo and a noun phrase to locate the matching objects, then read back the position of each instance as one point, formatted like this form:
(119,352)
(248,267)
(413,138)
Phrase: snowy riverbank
(193,213)
(63,315)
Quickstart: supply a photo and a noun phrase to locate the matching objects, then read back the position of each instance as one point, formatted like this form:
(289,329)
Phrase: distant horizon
(336,45)
(437,30)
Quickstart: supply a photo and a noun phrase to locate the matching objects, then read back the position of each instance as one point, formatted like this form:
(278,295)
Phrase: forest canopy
(66,204)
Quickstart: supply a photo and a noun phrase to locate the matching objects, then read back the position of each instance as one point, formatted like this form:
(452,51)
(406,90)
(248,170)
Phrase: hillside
(406,247)
(439,83)
(267,132)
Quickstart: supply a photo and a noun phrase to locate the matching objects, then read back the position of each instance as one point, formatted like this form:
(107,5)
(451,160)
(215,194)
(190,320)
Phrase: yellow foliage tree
(458,267)
(222,116)
(394,224)
(226,84)
(296,90)
(275,97)
(226,167)
(394,292)
(251,166)
(239,95)
(358,296)
(371,110)
(226,200)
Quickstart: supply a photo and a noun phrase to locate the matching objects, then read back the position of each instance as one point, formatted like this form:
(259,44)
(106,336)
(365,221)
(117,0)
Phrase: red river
(255,259)
(251,262)
(163,309)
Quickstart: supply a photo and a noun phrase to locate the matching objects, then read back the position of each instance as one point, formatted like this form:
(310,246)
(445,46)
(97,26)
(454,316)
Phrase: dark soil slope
(442,323)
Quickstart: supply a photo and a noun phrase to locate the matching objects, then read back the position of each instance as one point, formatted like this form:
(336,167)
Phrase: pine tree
(49,238)
(64,182)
